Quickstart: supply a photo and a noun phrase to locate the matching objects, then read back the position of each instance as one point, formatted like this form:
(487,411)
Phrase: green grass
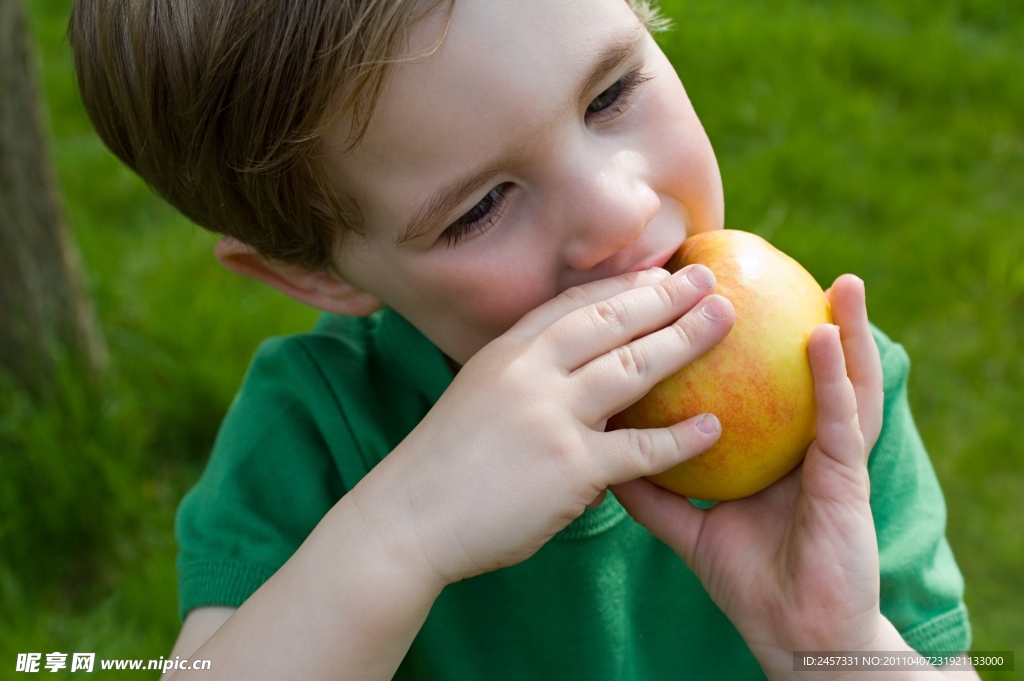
(880,138)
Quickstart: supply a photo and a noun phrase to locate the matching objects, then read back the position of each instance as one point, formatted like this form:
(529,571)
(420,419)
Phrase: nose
(608,211)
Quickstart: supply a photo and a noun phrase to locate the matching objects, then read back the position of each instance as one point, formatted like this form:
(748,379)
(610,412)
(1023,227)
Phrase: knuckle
(568,453)
(684,441)
(611,313)
(634,279)
(577,295)
(632,360)
(686,331)
(642,446)
(562,448)
(680,292)
(668,292)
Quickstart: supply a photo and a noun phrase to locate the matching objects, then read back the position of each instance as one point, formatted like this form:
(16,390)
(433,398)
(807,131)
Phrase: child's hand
(515,449)
(795,567)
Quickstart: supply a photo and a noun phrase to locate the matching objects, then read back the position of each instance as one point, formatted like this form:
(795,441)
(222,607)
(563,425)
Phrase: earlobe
(322,290)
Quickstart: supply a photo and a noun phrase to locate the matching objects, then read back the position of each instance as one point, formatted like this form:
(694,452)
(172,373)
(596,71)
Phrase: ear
(323,290)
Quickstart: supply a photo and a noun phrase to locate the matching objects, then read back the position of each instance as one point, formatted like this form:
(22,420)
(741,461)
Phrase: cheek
(687,168)
(493,294)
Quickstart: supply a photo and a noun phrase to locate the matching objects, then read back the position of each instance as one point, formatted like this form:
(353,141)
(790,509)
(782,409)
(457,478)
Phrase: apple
(757,380)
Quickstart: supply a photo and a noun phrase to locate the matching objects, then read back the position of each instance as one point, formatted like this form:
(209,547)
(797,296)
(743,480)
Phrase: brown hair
(221,106)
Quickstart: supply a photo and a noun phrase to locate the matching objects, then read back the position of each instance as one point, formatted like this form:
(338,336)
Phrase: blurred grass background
(874,137)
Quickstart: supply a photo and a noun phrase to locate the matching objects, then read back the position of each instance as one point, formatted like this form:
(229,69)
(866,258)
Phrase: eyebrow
(449,195)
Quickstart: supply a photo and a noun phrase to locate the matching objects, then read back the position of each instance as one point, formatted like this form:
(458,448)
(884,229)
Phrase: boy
(419,490)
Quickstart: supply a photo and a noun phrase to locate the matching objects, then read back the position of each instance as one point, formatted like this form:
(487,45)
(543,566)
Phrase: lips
(659,260)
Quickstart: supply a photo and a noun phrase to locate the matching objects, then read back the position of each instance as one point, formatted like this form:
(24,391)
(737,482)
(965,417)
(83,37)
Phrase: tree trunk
(43,304)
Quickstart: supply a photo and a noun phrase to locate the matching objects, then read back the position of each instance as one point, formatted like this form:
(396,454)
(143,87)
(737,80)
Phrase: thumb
(668,516)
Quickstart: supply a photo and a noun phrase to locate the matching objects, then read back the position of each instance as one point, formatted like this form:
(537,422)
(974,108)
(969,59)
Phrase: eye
(478,218)
(615,99)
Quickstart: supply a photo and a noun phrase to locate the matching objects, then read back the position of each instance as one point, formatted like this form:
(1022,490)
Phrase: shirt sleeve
(921,586)
(269,481)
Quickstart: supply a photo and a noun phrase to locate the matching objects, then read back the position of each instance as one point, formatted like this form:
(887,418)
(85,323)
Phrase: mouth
(669,257)
(659,260)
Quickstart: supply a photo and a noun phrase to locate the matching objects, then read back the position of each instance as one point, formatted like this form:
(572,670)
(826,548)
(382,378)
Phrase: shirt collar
(418,359)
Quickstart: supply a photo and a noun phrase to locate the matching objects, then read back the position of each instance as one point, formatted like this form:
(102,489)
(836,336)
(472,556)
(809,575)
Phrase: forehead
(504,73)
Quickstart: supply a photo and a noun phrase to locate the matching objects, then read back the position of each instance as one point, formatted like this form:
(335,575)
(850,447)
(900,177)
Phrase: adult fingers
(606,324)
(863,364)
(572,299)
(613,381)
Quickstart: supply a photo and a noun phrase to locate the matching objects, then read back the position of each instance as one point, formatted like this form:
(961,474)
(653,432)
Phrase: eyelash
(468,224)
(494,203)
(626,86)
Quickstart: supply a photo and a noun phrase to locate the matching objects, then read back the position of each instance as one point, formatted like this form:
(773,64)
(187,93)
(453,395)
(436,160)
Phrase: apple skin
(757,380)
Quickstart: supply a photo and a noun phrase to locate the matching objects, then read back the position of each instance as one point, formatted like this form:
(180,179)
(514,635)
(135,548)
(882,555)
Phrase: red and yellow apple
(757,381)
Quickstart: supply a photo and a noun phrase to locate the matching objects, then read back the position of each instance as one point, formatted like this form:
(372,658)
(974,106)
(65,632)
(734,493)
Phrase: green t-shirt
(604,599)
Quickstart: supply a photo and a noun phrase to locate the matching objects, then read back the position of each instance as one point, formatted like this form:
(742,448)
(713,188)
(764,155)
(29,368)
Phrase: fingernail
(715,309)
(700,276)
(708,424)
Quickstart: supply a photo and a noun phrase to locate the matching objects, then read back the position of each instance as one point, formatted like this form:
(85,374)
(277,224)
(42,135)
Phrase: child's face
(553,186)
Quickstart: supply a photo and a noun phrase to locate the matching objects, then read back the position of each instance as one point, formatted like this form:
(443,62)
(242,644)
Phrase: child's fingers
(605,325)
(630,453)
(621,376)
(669,517)
(838,428)
(863,365)
(570,300)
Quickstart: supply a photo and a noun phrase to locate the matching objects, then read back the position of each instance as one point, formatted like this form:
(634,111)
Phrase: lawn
(880,138)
